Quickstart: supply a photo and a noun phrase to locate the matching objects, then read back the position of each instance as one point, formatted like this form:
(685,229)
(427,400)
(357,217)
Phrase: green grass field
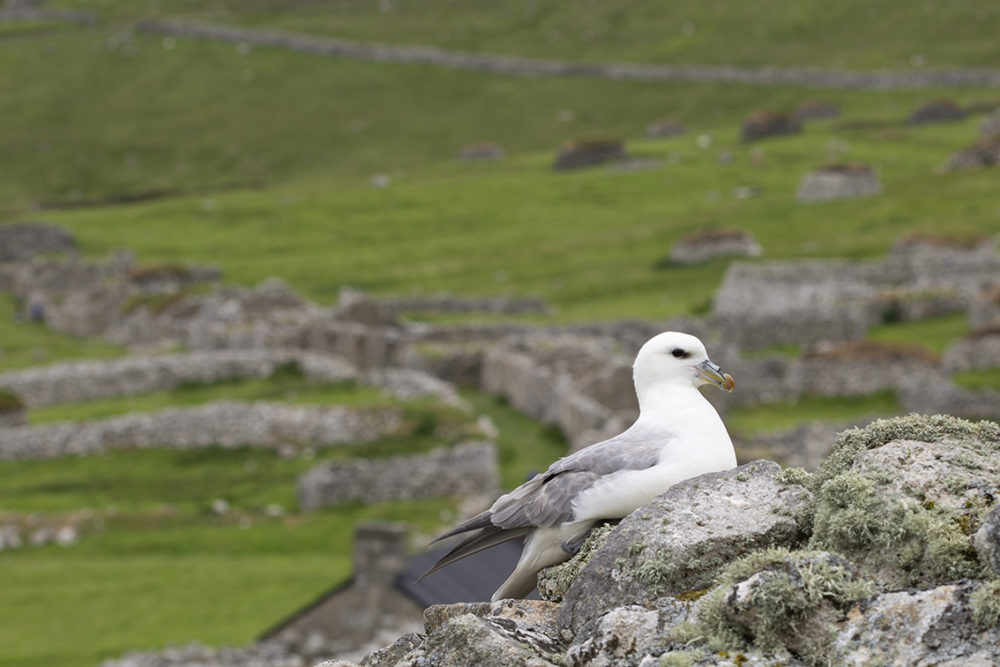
(260,161)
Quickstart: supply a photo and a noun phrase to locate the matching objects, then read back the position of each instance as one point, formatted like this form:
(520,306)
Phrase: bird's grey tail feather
(481,520)
(487,537)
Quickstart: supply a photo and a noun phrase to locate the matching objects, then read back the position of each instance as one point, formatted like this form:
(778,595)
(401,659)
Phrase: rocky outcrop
(757,566)
(983,153)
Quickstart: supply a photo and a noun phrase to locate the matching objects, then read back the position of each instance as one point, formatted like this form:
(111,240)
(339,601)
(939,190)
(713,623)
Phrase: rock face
(714,572)
(848,181)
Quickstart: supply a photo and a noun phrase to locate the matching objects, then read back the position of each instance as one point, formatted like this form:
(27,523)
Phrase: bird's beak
(714,375)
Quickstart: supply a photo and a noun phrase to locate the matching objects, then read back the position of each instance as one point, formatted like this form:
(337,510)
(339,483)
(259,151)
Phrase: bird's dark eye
(679,353)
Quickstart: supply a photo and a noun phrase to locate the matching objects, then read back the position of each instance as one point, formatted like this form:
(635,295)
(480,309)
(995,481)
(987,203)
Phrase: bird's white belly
(622,492)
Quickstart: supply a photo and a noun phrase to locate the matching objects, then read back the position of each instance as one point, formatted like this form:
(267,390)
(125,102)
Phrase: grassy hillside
(890,34)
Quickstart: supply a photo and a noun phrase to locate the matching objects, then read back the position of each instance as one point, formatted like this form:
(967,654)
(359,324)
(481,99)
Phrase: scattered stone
(816,109)
(587,153)
(274,511)
(681,540)
(482,150)
(937,111)
(841,181)
(763,124)
(22,242)
(380,181)
(662,129)
(983,153)
(711,243)
(220,506)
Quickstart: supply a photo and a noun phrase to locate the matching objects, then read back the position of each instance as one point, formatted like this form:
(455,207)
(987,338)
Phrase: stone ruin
(709,244)
(983,153)
(937,111)
(763,124)
(22,242)
(839,181)
(589,153)
(817,109)
(811,301)
(481,150)
(664,128)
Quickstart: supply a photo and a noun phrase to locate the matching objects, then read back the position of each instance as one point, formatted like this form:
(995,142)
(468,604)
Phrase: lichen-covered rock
(471,640)
(626,635)
(681,540)
(932,627)
(393,653)
(778,600)
(902,497)
(588,153)
(842,181)
(987,540)
(438,614)
(761,124)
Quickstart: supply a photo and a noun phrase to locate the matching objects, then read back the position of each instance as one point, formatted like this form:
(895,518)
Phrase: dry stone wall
(811,301)
(227,424)
(482,62)
(468,469)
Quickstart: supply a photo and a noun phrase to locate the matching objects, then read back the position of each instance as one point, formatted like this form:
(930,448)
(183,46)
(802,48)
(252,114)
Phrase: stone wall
(483,62)
(810,301)
(75,382)
(448,303)
(227,424)
(974,353)
(468,469)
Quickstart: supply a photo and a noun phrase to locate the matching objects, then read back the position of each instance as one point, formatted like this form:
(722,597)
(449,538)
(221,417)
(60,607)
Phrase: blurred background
(287,287)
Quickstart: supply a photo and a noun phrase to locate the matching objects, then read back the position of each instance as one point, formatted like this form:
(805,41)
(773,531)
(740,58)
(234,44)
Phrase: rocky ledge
(889,554)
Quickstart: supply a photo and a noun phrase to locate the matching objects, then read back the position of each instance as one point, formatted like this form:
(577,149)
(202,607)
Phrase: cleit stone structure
(761,566)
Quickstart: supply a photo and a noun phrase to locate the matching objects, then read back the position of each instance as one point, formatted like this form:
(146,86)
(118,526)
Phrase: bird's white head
(674,359)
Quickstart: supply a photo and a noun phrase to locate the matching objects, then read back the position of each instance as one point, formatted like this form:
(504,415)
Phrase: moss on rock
(776,600)
(902,497)
(925,428)
(985,604)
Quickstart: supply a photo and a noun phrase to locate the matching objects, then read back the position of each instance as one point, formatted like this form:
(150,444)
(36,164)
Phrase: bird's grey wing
(547,500)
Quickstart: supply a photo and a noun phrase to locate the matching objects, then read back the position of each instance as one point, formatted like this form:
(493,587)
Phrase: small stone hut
(839,181)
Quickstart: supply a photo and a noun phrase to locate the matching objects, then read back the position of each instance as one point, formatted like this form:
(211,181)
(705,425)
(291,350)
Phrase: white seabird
(678,435)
